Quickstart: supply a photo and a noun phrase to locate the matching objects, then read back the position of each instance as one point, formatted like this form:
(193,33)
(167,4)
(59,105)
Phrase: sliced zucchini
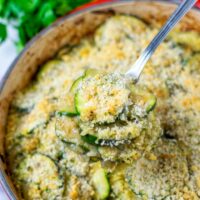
(123,153)
(133,149)
(38,117)
(102,98)
(100,181)
(22,110)
(78,188)
(76,85)
(38,178)
(71,109)
(90,72)
(75,162)
(26,99)
(145,133)
(68,107)
(194,62)
(143,98)
(48,69)
(90,139)
(79,102)
(66,129)
(151,103)
(67,104)
(113,134)
(113,120)
(118,28)
(49,143)
(20,147)
(120,189)
(189,39)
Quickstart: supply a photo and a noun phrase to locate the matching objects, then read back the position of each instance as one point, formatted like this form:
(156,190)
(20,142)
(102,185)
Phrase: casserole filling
(113,110)
(81,131)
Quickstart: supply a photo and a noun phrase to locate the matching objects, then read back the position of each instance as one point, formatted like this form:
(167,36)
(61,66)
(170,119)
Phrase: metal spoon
(182,9)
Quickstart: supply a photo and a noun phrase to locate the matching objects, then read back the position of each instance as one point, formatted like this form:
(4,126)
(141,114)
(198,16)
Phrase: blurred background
(20,20)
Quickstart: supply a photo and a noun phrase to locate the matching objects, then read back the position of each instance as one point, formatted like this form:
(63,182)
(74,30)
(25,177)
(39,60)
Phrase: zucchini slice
(75,162)
(122,153)
(120,189)
(26,99)
(79,102)
(117,29)
(22,110)
(143,98)
(20,147)
(70,108)
(78,188)
(189,39)
(76,85)
(90,139)
(102,98)
(38,117)
(67,108)
(193,63)
(90,72)
(151,103)
(112,134)
(100,181)
(66,129)
(111,111)
(49,143)
(49,68)
(38,178)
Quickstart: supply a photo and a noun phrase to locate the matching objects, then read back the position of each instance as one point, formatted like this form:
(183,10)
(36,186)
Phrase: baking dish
(69,30)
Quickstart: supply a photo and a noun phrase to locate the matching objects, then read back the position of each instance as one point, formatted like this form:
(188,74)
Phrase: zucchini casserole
(81,130)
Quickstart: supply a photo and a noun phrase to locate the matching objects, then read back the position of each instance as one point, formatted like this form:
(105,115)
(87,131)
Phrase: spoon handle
(182,9)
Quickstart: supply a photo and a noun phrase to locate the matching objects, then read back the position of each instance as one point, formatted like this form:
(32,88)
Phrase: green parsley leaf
(46,14)
(13,10)
(27,5)
(22,36)
(62,7)
(32,16)
(74,3)
(1,5)
(3,32)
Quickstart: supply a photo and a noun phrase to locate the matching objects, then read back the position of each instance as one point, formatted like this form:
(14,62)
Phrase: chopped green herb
(1,5)
(3,32)
(33,15)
